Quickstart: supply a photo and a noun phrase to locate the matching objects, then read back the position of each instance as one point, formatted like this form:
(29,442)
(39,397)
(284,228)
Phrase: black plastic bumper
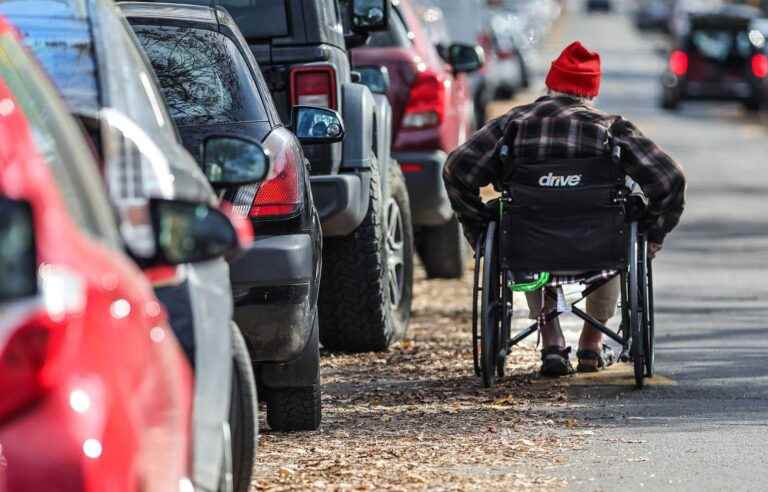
(429,199)
(341,201)
(271,288)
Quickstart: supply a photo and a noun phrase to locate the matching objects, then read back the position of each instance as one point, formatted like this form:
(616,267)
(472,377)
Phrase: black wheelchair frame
(492,308)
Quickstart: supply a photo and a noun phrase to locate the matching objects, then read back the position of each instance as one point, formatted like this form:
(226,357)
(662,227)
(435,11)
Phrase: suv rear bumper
(341,201)
(271,288)
(429,199)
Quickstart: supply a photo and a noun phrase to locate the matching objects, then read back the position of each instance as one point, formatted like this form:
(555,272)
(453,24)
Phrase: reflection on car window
(721,45)
(66,52)
(203,76)
(394,37)
(61,145)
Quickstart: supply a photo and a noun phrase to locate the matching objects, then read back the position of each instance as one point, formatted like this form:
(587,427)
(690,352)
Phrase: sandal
(592,361)
(555,362)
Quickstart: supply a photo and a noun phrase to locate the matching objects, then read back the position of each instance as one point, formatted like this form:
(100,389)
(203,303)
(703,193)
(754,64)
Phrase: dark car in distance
(213,85)
(720,56)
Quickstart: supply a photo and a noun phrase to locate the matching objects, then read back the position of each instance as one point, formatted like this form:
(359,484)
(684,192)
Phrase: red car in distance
(433,113)
(95,392)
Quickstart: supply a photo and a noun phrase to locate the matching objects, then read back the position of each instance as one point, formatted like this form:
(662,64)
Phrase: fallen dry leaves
(416,417)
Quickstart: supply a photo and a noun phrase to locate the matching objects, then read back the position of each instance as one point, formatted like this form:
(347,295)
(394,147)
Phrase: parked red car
(95,393)
(433,113)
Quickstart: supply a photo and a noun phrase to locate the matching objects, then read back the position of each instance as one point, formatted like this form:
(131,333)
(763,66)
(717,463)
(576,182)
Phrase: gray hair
(582,99)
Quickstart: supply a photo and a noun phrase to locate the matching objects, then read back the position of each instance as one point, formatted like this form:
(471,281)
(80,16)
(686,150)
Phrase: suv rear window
(721,45)
(259,18)
(202,74)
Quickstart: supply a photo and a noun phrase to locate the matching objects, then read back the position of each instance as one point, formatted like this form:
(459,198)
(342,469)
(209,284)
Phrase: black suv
(302,48)
(719,56)
(213,86)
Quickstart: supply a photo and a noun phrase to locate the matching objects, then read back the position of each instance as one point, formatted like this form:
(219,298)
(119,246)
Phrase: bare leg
(591,339)
(551,334)
(601,305)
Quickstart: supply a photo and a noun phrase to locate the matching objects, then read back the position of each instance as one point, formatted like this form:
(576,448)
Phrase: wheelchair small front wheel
(489,309)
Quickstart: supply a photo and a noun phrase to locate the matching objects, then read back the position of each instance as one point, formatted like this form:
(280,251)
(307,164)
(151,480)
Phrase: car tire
(752,105)
(359,309)
(443,250)
(669,101)
(243,414)
(296,408)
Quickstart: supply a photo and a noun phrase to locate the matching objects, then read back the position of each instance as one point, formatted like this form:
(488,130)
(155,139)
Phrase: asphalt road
(703,425)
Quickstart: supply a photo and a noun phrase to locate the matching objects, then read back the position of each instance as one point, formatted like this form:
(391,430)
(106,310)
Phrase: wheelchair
(574,221)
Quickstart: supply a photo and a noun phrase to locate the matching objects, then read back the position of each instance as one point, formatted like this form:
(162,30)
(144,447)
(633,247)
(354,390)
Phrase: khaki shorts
(601,304)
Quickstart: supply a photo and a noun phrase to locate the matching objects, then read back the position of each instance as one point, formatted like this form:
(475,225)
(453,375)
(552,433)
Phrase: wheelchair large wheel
(634,279)
(476,299)
(648,316)
(490,319)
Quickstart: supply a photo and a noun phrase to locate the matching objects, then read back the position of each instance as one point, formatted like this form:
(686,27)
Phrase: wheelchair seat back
(566,215)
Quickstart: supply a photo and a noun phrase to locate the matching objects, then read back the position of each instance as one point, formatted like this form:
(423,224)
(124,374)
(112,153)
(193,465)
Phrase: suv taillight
(760,66)
(678,63)
(314,86)
(426,106)
(28,362)
(280,194)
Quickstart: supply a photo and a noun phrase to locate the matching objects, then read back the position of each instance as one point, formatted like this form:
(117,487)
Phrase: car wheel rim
(395,253)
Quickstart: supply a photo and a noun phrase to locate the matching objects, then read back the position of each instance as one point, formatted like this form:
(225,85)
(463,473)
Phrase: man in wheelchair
(557,153)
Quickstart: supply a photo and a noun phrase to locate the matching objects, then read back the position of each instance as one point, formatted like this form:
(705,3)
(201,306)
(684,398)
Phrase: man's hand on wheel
(654,248)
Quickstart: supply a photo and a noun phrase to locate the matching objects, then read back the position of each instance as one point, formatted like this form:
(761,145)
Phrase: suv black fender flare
(359,113)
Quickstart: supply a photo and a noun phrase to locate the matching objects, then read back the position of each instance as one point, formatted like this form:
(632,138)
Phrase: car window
(259,18)
(721,45)
(61,145)
(66,52)
(397,36)
(203,76)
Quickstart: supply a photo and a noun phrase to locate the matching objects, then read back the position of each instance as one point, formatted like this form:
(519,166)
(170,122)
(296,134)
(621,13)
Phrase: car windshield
(203,76)
(721,45)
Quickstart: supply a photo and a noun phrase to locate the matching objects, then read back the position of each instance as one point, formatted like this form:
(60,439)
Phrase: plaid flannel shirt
(560,127)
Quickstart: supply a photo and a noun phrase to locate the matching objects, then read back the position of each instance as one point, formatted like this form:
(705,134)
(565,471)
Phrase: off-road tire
(443,250)
(243,414)
(356,312)
(294,409)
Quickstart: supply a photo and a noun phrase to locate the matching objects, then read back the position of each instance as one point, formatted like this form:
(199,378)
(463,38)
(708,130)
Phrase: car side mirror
(18,251)
(230,160)
(189,232)
(465,58)
(442,50)
(315,125)
(376,78)
(370,15)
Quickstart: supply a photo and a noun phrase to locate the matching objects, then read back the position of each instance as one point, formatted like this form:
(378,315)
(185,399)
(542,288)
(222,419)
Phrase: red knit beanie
(576,71)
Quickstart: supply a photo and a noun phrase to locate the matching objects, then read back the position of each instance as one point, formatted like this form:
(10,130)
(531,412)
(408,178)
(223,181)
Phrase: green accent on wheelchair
(530,286)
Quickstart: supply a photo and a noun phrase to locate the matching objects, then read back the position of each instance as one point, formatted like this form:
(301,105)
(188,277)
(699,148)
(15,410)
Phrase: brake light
(678,63)
(411,167)
(760,65)
(28,362)
(505,54)
(280,195)
(426,106)
(314,86)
